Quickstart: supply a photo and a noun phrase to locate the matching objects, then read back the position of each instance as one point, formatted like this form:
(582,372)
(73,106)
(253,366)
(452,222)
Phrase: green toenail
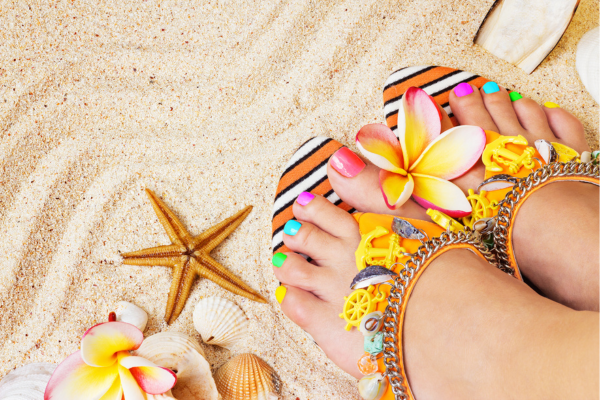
(278,259)
(514,96)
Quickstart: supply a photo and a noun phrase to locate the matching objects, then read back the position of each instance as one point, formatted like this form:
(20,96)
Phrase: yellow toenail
(280,293)
(550,104)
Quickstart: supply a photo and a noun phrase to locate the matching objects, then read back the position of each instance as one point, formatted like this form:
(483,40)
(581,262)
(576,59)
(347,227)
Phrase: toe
(468,108)
(533,119)
(320,319)
(306,238)
(362,191)
(499,106)
(327,216)
(566,127)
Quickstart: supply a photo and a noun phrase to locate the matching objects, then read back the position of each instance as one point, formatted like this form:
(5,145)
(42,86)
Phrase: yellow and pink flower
(104,369)
(421,161)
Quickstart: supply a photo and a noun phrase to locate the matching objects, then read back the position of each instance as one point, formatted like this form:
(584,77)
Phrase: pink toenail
(305,198)
(347,163)
(463,89)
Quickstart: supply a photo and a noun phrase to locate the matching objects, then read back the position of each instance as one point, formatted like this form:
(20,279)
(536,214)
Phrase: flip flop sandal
(307,169)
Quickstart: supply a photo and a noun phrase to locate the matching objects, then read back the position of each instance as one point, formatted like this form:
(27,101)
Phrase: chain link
(519,191)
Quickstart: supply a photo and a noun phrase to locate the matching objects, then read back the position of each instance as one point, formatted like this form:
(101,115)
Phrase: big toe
(566,127)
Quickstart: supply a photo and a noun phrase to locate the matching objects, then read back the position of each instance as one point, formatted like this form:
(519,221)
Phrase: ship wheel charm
(360,303)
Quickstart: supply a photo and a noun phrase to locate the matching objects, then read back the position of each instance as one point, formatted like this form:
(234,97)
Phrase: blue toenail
(292,227)
(490,87)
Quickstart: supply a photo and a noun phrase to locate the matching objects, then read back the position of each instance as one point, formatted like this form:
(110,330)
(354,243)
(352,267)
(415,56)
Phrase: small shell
(247,377)
(26,383)
(372,387)
(220,322)
(183,355)
(132,314)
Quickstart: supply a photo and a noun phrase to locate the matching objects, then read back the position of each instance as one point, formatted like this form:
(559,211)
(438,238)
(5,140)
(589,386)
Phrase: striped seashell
(184,356)
(247,377)
(220,322)
(26,383)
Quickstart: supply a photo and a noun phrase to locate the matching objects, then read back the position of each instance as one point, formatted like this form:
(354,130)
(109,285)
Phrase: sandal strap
(554,172)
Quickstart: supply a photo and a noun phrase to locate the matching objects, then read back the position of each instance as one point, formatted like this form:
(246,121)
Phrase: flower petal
(115,392)
(151,378)
(452,154)
(131,389)
(396,189)
(421,124)
(442,195)
(101,343)
(74,379)
(378,143)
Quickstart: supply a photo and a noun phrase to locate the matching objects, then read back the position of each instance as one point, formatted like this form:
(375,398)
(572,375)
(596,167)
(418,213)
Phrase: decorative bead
(374,344)
(367,364)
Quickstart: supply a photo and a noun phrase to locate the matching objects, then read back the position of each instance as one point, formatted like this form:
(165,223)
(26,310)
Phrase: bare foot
(491,111)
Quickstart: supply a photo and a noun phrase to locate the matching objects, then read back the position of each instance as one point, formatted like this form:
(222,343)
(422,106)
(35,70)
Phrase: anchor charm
(365,253)
(496,153)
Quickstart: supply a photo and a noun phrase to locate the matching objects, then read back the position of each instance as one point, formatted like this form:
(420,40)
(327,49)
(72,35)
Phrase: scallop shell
(132,314)
(524,32)
(185,357)
(247,377)
(587,63)
(220,322)
(26,383)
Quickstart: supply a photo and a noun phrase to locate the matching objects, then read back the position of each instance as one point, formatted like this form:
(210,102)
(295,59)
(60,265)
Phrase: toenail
(550,104)
(278,259)
(346,162)
(305,198)
(514,96)
(280,293)
(463,89)
(490,87)
(291,227)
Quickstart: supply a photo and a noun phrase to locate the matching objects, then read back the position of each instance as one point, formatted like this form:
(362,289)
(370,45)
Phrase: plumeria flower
(104,369)
(420,162)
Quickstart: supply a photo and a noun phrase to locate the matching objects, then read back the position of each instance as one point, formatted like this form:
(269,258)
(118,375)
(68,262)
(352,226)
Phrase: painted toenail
(514,96)
(463,89)
(305,198)
(550,104)
(280,293)
(278,259)
(490,87)
(291,227)
(347,163)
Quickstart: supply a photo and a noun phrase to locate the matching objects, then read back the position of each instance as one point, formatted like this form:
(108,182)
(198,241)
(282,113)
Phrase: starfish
(189,256)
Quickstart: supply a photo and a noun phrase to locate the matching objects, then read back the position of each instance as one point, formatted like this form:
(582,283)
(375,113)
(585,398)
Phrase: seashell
(184,356)
(26,383)
(371,323)
(247,377)
(406,230)
(372,387)
(546,150)
(220,322)
(164,396)
(524,32)
(372,275)
(497,182)
(132,314)
(587,63)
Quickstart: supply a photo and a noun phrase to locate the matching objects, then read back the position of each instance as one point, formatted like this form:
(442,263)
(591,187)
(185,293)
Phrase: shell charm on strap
(26,383)
(220,322)
(132,314)
(184,356)
(372,387)
(247,377)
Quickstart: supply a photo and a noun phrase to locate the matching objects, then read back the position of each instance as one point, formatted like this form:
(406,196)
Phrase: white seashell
(247,377)
(587,63)
(372,387)
(586,156)
(132,314)
(184,356)
(164,396)
(220,322)
(524,32)
(26,383)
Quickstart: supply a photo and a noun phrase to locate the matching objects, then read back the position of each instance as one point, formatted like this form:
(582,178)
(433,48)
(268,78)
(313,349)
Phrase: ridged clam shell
(587,63)
(132,314)
(184,356)
(220,322)
(247,377)
(26,383)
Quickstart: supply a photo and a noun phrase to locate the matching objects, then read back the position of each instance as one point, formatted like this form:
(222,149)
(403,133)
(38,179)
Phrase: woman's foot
(491,109)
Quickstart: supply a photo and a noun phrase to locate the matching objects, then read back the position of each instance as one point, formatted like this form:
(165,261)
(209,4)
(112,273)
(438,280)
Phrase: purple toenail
(305,198)
(463,89)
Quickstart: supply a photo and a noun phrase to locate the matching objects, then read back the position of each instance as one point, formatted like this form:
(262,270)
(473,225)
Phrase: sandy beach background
(202,103)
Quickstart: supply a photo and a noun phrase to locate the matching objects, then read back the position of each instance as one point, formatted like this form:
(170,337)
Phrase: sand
(203,104)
